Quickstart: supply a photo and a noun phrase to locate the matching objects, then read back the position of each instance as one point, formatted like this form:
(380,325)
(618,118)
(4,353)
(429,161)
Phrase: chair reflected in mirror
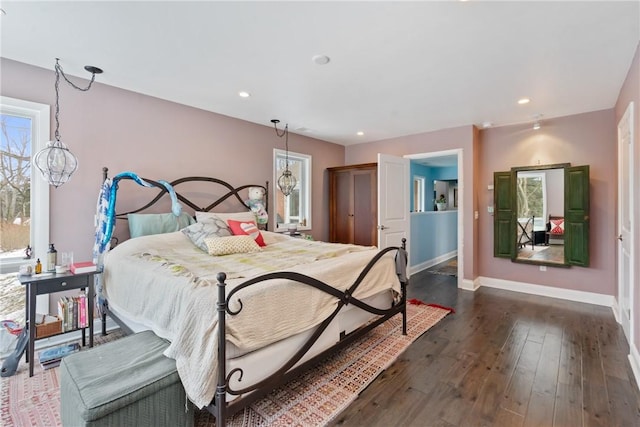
(525,233)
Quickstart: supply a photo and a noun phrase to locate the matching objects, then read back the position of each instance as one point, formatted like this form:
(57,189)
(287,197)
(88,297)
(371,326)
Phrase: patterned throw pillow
(231,245)
(239,228)
(211,227)
(557,226)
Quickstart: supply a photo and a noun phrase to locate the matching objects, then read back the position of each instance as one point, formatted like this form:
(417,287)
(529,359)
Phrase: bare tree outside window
(15,208)
(15,182)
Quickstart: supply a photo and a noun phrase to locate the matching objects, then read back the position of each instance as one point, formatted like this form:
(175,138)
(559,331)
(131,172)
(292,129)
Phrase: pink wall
(630,92)
(462,137)
(583,139)
(158,139)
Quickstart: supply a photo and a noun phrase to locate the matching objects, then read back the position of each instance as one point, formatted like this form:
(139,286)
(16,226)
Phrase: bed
(283,307)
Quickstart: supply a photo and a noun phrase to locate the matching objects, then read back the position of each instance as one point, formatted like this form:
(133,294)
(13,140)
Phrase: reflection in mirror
(540,215)
(445,195)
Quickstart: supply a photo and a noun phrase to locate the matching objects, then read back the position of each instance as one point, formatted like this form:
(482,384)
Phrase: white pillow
(225,216)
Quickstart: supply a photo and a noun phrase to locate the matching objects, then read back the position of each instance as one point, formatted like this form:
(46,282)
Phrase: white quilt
(168,284)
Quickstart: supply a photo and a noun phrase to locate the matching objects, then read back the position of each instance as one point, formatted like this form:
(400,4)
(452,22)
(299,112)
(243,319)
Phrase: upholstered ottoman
(127,382)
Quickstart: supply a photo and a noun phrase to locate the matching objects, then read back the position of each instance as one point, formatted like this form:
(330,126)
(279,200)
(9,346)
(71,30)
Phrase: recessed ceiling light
(523,101)
(321,59)
(243,94)
(360,133)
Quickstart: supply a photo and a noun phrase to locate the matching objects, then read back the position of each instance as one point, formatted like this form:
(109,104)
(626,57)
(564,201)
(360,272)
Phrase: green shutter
(576,212)
(504,238)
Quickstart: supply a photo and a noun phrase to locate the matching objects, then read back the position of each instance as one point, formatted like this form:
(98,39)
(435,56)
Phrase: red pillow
(240,228)
(557,226)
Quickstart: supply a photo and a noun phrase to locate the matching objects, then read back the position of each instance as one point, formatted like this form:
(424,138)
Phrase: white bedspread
(168,284)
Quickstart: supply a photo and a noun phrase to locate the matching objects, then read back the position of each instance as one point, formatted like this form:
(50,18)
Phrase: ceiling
(396,68)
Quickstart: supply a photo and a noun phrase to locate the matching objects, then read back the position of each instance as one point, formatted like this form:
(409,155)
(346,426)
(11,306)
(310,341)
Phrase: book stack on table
(51,357)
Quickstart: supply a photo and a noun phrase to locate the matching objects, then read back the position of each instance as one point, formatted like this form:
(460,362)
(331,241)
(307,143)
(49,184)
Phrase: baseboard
(634,360)
(469,285)
(548,291)
(413,269)
(616,310)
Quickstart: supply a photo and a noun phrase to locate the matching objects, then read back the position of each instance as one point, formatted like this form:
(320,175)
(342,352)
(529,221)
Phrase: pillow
(237,216)
(200,231)
(231,245)
(146,224)
(239,228)
(557,226)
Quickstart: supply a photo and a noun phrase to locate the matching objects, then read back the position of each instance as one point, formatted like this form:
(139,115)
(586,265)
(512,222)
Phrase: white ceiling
(397,68)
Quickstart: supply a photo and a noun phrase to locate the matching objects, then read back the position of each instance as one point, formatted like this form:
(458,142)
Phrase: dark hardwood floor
(504,359)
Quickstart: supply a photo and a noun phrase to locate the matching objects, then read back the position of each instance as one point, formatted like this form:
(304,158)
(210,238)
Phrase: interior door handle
(382,227)
(620,237)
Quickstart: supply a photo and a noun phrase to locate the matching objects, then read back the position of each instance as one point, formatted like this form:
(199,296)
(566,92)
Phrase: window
(418,193)
(531,191)
(24,196)
(296,207)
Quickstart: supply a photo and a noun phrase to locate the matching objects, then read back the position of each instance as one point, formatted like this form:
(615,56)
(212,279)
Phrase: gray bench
(127,382)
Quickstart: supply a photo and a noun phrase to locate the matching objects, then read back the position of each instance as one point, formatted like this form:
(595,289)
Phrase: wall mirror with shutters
(541,215)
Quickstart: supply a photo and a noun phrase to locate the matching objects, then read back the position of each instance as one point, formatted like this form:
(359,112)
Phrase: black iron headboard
(231,191)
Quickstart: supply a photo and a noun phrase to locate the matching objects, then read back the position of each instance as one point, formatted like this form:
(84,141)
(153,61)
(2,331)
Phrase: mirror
(540,215)
(527,227)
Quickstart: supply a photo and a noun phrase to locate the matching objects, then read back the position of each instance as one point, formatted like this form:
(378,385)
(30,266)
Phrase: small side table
(47,283)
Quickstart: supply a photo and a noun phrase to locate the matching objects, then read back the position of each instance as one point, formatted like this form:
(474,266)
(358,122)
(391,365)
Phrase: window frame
(539,222)
(40,130)
(303,184)
(419,186)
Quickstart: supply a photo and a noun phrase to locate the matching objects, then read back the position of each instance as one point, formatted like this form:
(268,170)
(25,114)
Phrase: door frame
(461,191)
(627,324)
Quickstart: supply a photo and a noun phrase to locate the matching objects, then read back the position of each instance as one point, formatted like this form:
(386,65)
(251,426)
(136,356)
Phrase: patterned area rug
(448,269)
(315,398)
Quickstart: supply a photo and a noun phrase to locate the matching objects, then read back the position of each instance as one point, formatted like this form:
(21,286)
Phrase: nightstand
(47,283)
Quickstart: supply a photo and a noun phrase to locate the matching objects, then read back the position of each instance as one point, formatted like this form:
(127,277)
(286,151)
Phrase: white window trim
(419,204)
(39,114)
(305,191)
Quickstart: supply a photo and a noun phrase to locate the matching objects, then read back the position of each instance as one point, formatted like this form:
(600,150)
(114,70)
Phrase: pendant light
(286,182)
(55,161)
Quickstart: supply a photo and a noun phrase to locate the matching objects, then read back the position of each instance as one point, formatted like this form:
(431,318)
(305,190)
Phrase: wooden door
(342,218)
(364,207)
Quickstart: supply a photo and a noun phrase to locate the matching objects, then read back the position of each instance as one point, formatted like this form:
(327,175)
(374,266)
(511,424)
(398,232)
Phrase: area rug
(448,269)
(313,399)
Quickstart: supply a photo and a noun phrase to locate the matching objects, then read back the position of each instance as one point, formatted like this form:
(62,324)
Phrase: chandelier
(286,182)
(55,161)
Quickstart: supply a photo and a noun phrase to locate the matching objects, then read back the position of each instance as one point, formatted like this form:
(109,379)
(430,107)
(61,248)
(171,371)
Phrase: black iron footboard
(222,409)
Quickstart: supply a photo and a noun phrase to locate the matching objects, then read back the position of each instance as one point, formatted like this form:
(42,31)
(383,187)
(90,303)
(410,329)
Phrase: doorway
(445,158)
(626,190)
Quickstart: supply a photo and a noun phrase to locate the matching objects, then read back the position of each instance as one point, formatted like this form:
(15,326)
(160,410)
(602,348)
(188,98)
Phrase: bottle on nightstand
(52,258)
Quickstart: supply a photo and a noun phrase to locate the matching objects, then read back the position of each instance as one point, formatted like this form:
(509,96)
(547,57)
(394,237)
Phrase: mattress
(167,284)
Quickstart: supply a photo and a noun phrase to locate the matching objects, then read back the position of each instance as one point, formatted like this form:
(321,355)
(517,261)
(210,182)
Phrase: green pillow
(146,224)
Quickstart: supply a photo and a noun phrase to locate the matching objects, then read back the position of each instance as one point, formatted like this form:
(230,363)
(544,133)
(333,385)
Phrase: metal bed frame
(220,407)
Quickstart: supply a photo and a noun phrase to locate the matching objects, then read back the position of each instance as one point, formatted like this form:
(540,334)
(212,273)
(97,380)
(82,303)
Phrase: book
(51,364)
(83,267)
(58,353)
